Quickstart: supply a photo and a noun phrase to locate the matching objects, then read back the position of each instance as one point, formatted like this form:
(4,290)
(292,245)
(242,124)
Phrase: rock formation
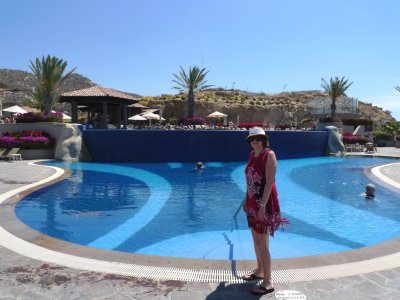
(335,144)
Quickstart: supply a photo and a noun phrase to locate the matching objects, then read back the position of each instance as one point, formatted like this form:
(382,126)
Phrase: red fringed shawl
(255,179)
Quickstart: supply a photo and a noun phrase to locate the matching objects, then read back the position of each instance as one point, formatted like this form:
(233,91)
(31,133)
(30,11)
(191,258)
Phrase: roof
(98,91)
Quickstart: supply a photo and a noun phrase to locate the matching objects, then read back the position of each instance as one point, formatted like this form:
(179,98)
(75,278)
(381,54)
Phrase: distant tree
(335,88)
(190,83)
(49,75)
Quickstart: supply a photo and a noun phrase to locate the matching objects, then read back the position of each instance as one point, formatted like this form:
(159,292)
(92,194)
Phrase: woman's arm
(270,172)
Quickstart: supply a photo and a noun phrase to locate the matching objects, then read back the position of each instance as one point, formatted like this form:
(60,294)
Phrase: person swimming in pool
(199,168)
(369,191)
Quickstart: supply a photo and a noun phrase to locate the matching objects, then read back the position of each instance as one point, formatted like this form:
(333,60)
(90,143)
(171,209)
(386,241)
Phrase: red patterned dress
(255,179)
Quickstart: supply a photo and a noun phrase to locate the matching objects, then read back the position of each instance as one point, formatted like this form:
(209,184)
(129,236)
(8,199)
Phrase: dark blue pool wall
(118,145)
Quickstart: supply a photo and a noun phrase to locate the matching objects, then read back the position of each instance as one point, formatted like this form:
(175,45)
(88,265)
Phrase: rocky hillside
(294,107)
(288,107)
(16,86)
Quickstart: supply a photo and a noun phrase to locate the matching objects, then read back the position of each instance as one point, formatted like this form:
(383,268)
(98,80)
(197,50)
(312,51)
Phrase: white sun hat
(256,131)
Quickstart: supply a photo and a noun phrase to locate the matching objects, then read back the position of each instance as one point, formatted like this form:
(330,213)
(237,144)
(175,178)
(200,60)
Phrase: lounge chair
(3,152)
(13,154)
(349,148)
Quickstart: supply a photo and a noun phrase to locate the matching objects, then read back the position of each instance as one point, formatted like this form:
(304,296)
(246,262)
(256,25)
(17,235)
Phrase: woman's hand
(261,213)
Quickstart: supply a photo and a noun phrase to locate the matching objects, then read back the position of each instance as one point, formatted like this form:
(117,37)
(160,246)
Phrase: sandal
(250,277)
(261,290)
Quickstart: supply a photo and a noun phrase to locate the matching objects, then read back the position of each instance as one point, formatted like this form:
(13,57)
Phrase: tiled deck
(22,277)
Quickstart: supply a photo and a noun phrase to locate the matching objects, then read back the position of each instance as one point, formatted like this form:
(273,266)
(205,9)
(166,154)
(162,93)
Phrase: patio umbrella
(137,118)
(15,110)
(217,114)
(152,116)
(64,116)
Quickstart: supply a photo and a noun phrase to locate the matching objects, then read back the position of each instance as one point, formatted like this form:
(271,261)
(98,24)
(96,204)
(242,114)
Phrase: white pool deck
(41,268)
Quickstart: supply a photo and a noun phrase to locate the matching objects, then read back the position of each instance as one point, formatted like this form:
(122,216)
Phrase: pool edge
(19,239)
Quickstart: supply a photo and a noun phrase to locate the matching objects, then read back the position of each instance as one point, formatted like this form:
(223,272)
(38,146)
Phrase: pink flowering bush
(284,126)
(39,117)
(249,125)
(192,121)
(27,139)
(349,138)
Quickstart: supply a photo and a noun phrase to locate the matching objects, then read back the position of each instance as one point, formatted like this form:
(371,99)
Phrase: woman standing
(261,206)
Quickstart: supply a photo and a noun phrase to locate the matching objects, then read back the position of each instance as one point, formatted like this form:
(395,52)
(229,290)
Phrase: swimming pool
(171,209)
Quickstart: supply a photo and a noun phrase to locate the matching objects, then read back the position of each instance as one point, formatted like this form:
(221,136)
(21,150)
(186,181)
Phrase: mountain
(16,87)
(15,80)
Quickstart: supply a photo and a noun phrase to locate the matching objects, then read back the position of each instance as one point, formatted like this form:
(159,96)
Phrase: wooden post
(104,116)
(125,115)
(74,112)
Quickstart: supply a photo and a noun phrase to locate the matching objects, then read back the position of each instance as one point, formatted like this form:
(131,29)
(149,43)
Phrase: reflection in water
(87,204)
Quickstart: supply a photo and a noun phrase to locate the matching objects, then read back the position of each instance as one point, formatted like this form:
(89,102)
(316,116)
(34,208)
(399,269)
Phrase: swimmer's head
(370,190)
(199,165)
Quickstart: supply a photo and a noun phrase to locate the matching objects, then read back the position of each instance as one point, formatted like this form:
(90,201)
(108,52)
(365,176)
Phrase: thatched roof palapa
(93,93)
(110,103)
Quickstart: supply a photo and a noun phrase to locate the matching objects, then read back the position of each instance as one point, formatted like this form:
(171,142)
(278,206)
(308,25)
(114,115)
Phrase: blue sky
(261,45)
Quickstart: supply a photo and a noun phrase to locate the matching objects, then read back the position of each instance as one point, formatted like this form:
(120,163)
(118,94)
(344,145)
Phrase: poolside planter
(28,154)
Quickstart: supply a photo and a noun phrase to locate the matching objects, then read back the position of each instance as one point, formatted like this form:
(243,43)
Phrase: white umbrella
(152,116)
(137,118)
(64,116)
(15,110)
(217,114)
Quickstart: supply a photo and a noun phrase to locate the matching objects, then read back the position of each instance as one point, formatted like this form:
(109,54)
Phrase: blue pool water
(171,209)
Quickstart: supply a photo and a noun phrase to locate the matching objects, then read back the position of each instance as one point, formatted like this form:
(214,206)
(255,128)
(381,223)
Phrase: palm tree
(335,88)
(397,88)
(38,96)
(191,83)
(49,74)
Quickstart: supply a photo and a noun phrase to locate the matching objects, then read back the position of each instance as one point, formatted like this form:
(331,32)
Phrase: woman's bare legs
(261,246)
(259,271)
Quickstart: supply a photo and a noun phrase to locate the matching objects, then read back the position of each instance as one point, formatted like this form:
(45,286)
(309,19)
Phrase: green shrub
(383,135)
(391,127)
(329,119)
(356,122)
(173,120)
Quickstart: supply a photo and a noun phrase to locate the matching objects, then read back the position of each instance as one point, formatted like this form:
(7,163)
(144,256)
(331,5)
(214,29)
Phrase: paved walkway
(24,278)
